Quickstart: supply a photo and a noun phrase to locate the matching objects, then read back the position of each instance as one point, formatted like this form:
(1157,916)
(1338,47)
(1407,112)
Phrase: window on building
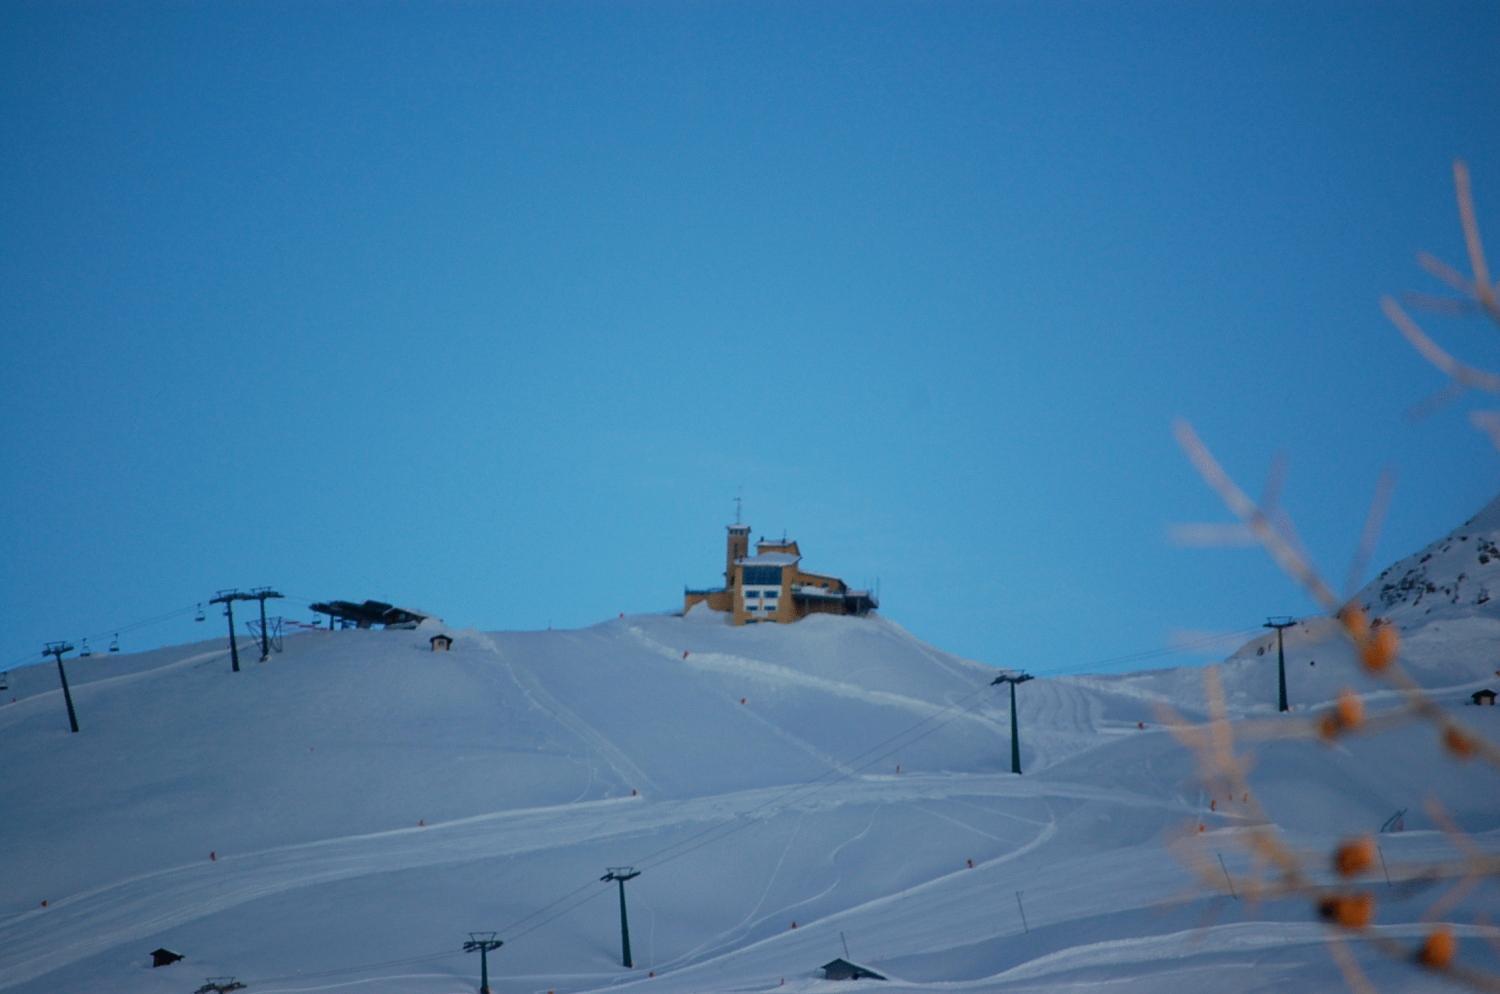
(762,576)
(752,593)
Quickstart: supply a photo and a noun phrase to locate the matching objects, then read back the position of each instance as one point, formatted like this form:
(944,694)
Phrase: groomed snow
(340,817)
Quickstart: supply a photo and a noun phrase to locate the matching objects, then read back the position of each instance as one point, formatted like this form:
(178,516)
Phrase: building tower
(737,547)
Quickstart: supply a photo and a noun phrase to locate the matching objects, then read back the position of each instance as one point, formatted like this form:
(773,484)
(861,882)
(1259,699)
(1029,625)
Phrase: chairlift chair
(85,650)
(5,680)
(114,643)
(199,615)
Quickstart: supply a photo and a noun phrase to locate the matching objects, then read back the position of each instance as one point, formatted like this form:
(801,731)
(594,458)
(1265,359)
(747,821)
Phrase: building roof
(370,613)
(768,559)
(842,969)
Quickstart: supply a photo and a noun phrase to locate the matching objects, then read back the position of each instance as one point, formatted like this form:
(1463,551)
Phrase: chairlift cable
(123,629)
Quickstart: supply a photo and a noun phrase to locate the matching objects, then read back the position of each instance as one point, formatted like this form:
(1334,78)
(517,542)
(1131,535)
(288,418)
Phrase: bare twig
(1466,216)
(1454,306)
(1489,423)
(1283,551)
(1469,376)
(1379,504)
(1441,270)
(1451,391)
(1348,966)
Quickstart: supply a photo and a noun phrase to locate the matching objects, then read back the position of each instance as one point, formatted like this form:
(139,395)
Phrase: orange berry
(1328,725)
(1355,621)
(1348,910)
(1354,857)
(1438,950)
(1458,742)
(1379,650)
(1349,709)
(1348,713)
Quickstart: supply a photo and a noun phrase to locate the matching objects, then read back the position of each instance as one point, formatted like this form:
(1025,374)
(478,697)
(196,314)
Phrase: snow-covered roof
(768,559)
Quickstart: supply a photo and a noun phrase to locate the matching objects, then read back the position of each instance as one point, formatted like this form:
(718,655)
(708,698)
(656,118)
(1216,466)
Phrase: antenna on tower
(737,501)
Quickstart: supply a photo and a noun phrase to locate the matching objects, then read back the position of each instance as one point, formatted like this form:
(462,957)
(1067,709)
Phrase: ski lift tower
(262,594)
(227,598)
(622,874)
(484,943)
(1015,739)
(57,649)
(1280,623)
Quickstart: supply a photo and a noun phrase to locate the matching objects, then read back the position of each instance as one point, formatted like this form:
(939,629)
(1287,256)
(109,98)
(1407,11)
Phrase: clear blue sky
(493,309)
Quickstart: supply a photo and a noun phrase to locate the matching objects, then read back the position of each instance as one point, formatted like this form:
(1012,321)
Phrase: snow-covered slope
(341,816)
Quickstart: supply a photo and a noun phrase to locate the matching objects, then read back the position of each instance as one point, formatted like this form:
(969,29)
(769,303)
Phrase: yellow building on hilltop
(772,585)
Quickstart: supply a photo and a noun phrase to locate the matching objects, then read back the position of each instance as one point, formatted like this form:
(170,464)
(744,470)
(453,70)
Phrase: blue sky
(494,308)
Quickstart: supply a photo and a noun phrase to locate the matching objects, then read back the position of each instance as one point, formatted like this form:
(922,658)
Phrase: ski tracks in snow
(80,925)
(775,673)
(542,699)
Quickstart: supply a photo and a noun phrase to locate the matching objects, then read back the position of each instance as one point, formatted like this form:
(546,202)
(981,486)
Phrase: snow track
(81,924)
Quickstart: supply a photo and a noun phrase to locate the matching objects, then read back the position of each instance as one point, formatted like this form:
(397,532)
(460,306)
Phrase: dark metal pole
(234,650)
(1280,671)
(1015,735)
(265,644)
(622,874)
(483,942)
(1280,623)
(67,694)
(624,925)
(57,649)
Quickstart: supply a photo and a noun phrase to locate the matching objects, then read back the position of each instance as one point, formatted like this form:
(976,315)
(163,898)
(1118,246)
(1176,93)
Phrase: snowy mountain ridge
(1458,571)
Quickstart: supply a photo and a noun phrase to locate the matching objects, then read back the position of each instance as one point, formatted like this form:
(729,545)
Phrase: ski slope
(339,817)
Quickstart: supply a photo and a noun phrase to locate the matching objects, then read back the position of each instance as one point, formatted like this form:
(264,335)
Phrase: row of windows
(769,594)
(762,576)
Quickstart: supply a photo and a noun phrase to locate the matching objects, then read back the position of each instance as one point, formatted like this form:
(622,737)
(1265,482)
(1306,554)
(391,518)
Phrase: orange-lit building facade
(771,585)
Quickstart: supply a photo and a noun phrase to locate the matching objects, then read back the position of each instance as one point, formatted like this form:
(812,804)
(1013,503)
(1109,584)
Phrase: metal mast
(227,598)
(1015,738)
(483,942)
(57,649)
(1280,622)
(260,594)
(622,874)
